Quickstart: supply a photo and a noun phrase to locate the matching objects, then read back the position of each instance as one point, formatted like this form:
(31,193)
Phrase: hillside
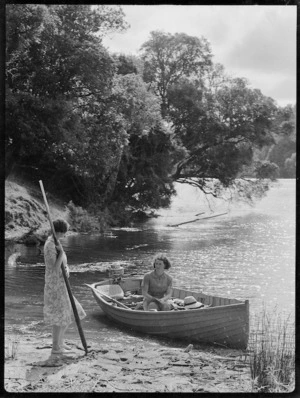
(26,218)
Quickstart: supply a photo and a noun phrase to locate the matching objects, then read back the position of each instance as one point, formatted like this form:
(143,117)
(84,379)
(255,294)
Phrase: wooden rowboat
(224,321)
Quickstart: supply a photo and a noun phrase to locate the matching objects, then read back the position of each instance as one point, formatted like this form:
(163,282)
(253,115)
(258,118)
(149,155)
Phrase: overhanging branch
(199,153)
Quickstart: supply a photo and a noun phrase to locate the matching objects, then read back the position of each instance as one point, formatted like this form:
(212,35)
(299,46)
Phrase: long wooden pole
(77,319)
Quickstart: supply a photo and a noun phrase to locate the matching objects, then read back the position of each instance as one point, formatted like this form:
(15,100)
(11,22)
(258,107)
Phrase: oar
(77,319)
(108,297)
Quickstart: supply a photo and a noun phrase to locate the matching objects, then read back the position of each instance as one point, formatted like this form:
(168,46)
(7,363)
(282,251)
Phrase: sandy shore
(30,367)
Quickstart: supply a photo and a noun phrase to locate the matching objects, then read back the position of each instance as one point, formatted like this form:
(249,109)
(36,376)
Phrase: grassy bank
(25,212)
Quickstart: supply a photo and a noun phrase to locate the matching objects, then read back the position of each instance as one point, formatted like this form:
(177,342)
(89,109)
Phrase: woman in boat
(157,286)
(57,306)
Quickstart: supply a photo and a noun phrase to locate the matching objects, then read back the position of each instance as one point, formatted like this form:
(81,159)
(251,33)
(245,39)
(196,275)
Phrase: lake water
(247,253)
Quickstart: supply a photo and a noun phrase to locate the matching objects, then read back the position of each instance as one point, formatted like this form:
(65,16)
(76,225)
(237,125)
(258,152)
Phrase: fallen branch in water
(217,215)
(186,222)
(197,219)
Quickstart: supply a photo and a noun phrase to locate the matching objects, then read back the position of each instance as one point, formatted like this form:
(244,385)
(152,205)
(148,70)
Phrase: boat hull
(226,325)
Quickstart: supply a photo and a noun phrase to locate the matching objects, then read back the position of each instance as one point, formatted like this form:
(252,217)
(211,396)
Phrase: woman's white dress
(57,305)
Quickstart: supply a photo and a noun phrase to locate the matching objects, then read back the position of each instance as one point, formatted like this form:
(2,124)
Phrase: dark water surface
(248,253)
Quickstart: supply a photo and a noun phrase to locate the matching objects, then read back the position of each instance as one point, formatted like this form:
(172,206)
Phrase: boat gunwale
(238,301)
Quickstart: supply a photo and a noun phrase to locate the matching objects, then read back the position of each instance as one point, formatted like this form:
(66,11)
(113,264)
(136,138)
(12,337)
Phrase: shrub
(81,220)
(90,220)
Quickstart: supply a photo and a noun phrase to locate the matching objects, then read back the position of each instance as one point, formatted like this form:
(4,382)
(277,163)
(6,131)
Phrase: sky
(256,42)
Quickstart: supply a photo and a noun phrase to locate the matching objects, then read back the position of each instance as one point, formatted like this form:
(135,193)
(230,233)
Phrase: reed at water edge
(272,352)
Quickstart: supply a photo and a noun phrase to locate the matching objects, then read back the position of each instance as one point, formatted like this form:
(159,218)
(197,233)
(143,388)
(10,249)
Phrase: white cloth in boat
(114,291)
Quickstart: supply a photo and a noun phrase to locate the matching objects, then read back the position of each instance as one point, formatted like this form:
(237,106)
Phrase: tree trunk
(112,180)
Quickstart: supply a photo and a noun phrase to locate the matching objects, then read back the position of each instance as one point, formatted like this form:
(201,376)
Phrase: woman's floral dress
(57,305)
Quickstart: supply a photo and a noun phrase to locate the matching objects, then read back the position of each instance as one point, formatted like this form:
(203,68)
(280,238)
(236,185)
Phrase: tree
(219,130)
(267,170)
(169,57)
(125,64)
(56,67)
(218,121)
(144,179)
(290,167)
(284,144)
(140,110)
(280,153)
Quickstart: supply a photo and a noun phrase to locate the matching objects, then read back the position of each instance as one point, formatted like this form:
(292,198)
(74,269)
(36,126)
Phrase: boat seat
(113,291)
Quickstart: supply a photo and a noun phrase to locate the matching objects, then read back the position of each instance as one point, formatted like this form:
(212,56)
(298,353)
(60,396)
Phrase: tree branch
(202,149)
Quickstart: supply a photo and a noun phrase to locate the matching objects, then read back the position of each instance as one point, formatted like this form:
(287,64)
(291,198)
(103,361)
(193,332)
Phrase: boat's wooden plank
(189,293)
(211,328)
(209,331)
(182,323)
(214,312)
(189,329)
(176,292)
(175,321)
(211,334)
(234,336)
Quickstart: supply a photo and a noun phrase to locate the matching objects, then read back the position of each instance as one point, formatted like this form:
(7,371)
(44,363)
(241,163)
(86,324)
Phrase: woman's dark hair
(60,225)
(163,258)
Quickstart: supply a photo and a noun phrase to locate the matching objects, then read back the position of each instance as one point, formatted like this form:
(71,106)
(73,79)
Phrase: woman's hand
(67,271)
(160,300)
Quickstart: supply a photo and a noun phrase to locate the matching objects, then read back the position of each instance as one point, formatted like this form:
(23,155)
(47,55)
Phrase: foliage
(290,166)
(144,176)
(139,106)
(83,220)
(56,67)
(218,121)
(219,131)
(267,170)
(169,57)
(285,122)
(281,153)
(125,65)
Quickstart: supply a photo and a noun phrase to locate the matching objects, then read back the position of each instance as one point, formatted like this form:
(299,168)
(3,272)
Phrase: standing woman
(157,286)
(57,305)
